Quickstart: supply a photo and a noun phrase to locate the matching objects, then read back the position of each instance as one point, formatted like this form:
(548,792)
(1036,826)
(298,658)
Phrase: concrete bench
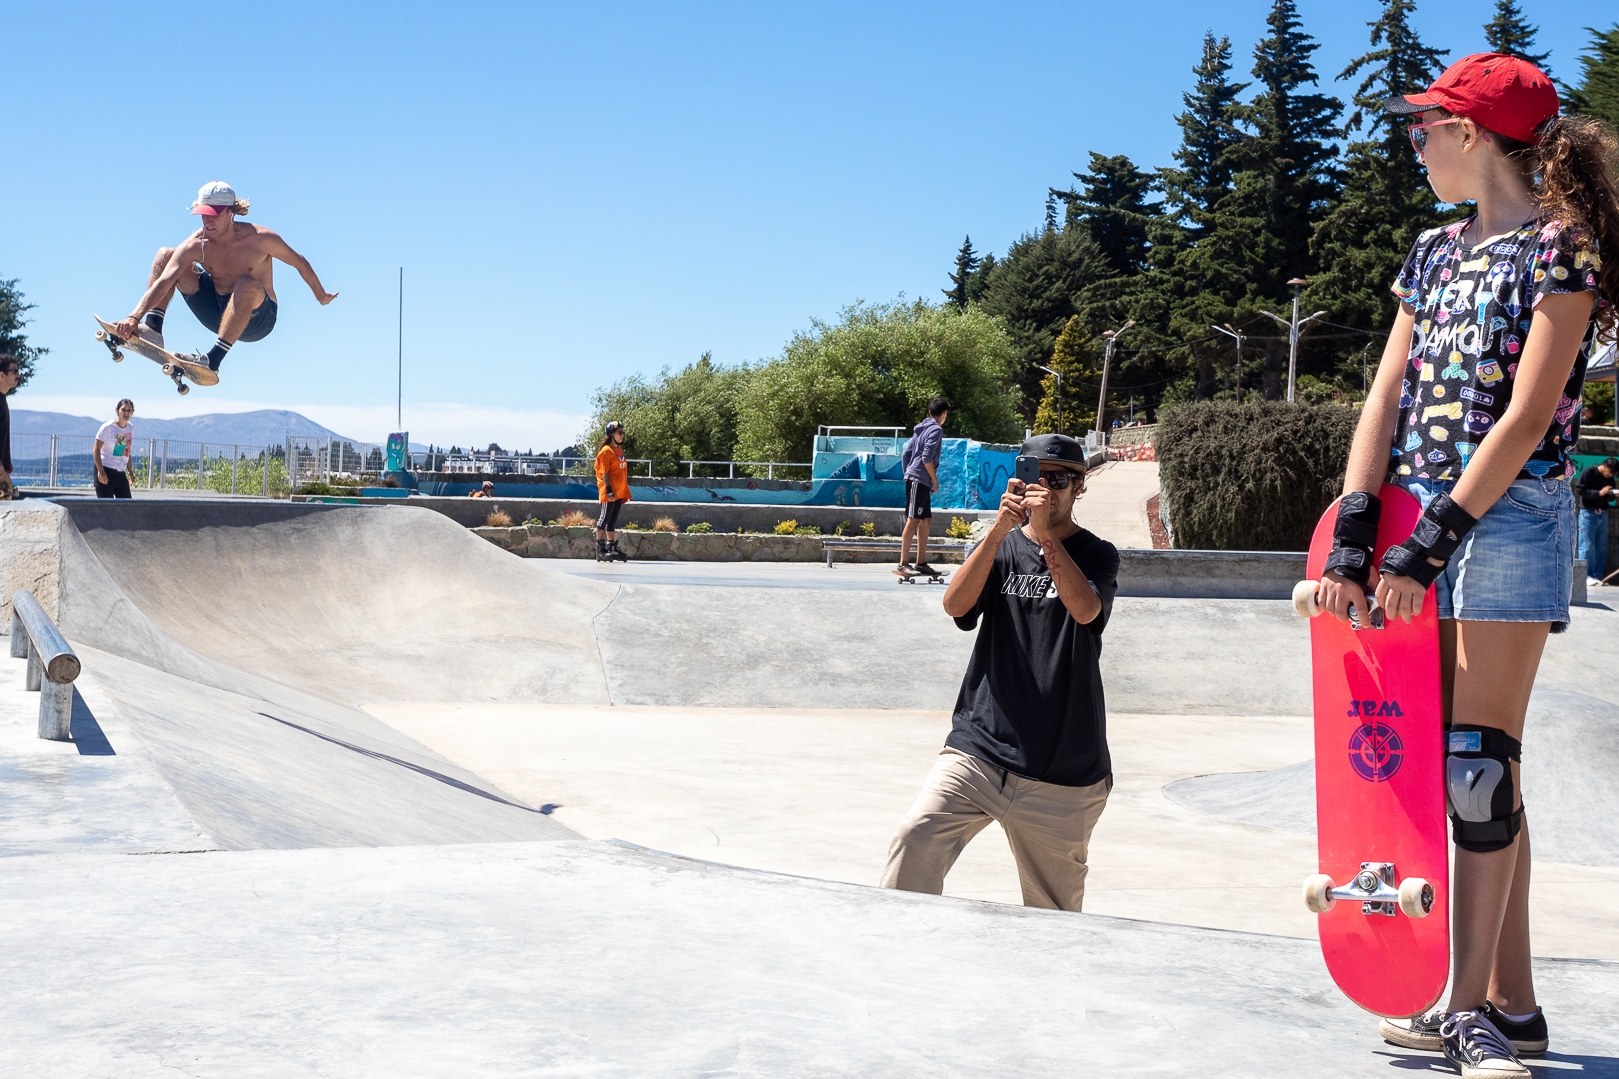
(52,665)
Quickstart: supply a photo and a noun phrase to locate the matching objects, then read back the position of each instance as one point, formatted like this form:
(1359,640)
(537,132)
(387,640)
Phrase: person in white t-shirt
(114,444)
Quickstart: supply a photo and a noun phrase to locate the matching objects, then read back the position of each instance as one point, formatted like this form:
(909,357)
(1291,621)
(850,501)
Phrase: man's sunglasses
(1056,481)
(1419,132)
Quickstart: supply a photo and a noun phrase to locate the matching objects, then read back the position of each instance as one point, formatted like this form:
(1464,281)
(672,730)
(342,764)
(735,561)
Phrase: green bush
(1254,476)
(316,489)
(786,528)
(807,530)
(868,529)
(841,528)
(959,528)
(702,527)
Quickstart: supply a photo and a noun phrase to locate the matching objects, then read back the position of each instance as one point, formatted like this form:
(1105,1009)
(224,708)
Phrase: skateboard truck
(1375,888)
(1304,602)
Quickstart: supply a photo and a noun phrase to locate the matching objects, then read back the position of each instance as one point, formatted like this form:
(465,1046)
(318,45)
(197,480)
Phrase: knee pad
(1479,788)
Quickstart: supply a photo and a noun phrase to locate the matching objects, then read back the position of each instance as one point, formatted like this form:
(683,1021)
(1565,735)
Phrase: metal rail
(52,666)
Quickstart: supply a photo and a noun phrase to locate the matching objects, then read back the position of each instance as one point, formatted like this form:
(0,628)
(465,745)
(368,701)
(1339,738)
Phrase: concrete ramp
(1571,756)
(354,605)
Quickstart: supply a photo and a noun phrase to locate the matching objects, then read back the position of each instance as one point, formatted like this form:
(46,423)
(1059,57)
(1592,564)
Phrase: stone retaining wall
(551,541)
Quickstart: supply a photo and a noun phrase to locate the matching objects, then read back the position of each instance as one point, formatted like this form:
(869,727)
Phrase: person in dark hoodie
(921,463)
(10,375)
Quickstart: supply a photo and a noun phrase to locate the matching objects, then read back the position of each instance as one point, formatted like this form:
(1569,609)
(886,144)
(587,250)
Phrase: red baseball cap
(1500,93)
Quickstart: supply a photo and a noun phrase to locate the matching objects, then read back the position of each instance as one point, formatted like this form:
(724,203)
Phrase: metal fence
(522,464)
(155,464)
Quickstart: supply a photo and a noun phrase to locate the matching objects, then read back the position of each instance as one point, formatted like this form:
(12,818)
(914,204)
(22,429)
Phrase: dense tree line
(1273,180)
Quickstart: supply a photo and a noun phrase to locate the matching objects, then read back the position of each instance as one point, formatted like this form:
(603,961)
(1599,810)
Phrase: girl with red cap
(1474,411)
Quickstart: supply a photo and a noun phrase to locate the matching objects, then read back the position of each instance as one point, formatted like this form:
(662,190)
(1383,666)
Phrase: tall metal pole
(1235,335)
(1107,361)
(399,415)
(1293,337)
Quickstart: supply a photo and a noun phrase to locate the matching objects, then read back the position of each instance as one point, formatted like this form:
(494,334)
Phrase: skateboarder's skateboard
(913,577)
(1383,891)
(176,368)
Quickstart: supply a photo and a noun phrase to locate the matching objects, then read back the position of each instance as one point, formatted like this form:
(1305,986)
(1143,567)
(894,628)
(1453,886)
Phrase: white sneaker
(1592,582)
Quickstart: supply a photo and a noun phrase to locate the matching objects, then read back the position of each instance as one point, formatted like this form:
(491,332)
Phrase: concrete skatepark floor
(386,738)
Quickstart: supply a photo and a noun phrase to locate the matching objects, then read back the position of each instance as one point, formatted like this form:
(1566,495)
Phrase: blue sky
(576,192)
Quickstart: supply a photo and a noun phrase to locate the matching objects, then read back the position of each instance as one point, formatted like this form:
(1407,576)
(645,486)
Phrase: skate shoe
(904,569)
(1418,1032)
(199,358)
(1478,1050)
(1528,1037)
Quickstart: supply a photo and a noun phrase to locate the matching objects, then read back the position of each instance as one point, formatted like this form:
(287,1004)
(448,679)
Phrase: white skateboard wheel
(1317,893)
(1304,599)
(1416,897)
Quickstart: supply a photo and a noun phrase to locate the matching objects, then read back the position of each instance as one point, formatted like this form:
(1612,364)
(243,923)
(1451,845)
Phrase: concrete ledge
(552,541)
(726,517)
(1210,574)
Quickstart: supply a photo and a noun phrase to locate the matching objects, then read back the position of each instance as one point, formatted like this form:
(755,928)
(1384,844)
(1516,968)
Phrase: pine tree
(1193,282)
(961,282)
(1286,176)
(12,338)
(1386,201)
(1075,354)
(1113,208)
(1041,283)
(1509,32)
(1598,92)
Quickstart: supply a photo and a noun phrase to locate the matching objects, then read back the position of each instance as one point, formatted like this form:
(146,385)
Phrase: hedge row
(1254,476)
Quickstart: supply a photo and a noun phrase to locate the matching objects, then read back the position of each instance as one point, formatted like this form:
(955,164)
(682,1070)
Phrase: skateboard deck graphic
(1383,891)
(176,368)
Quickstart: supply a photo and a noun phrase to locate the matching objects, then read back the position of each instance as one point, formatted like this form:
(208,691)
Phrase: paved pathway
(1114,505)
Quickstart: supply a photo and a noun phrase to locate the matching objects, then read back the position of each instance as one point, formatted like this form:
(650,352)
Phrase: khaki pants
(1048,826)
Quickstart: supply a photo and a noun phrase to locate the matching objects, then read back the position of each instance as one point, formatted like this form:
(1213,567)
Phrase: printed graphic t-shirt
(1031,701)
(1474,306)
(115,444)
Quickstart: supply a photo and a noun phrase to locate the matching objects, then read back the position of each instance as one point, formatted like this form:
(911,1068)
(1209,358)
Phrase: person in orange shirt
(613,488)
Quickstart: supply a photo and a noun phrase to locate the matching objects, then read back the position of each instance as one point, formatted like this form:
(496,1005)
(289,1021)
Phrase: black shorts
(607,520)
(117,485)
(918,500)
(209,307)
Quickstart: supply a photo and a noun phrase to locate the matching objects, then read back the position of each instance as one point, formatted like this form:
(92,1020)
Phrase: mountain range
(263,427)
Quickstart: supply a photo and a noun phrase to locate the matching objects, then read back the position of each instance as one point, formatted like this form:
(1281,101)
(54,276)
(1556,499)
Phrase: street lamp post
(1107,361)
(1235,335)
(1293,325)
(1054,373)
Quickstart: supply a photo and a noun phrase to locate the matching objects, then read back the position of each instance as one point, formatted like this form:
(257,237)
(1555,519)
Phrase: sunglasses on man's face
(1419,132)
(1056,481)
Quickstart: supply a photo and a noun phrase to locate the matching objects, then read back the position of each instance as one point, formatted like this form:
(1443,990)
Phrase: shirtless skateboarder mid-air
(223,270)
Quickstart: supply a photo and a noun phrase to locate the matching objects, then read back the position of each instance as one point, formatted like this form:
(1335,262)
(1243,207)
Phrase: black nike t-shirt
(1031,701)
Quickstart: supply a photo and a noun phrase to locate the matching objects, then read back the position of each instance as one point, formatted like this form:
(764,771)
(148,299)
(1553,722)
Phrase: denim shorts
(209,307)
(1517,564)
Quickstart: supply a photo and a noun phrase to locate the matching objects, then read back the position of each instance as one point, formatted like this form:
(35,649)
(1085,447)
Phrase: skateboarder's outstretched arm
(280,249)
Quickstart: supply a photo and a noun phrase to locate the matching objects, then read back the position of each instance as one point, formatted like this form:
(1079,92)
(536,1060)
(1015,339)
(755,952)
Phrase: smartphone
(1028,468)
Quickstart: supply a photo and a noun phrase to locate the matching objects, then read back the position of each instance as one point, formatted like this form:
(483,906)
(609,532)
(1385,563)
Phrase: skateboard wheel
(1318,893)
(101,335)
(1304,599)
(1416,897)
(168,369)
(183,390)
(117,357)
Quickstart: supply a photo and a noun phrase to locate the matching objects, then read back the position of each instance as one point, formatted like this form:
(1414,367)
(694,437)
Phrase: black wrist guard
(1439,532)
(1358,514)
(1354,534)
(1352,563)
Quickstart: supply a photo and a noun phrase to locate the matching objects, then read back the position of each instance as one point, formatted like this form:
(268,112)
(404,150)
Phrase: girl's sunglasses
(1419,132)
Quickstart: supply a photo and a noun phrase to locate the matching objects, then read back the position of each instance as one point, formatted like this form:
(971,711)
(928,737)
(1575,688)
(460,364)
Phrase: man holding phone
(1028,740)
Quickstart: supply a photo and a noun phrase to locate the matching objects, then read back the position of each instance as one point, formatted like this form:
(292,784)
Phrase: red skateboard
(1383,889)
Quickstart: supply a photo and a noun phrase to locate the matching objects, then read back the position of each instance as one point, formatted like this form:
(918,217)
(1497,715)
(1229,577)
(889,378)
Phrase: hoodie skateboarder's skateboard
(1383,889)
(176,368)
